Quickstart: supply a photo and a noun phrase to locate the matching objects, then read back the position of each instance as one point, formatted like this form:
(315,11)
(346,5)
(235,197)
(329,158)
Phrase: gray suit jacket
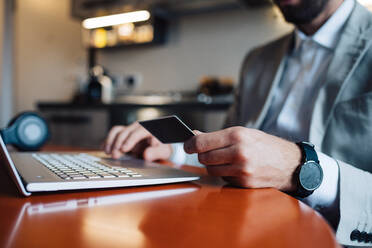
(341,124)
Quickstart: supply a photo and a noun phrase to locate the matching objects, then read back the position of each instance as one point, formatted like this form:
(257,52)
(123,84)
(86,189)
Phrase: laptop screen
(7,161)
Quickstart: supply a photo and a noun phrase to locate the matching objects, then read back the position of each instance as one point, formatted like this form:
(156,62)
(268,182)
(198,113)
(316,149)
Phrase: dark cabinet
(77,125)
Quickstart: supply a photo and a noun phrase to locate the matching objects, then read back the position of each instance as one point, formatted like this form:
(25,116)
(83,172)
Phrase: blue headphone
(27,132)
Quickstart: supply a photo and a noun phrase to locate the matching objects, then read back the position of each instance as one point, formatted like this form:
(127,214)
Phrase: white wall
(48,52)
(208,44)
(6,48)
(1,43)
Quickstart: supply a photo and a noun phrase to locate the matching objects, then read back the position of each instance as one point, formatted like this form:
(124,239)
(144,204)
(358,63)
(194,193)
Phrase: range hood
(166,8)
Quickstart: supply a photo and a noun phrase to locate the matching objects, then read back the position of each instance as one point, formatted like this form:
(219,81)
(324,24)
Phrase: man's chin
(287,3)
(284,3)
(301,12)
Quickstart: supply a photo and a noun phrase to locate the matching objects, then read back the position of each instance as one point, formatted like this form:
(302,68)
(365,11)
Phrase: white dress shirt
(290,112)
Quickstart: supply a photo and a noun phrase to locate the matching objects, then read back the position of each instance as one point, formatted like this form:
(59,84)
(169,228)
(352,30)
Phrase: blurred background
(86,65)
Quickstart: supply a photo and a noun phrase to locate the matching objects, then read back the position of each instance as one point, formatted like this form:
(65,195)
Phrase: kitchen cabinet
(86,125)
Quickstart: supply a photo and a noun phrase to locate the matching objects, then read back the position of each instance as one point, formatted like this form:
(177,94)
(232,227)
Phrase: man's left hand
(247,157)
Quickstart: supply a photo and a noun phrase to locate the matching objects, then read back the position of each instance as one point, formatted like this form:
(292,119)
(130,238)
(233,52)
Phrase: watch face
(311,175)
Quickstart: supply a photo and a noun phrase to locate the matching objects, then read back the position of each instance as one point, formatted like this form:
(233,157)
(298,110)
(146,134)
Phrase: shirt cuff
(179,156)
(326,195)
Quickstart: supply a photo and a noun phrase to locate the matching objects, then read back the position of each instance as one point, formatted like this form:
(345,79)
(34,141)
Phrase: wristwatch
(309,175)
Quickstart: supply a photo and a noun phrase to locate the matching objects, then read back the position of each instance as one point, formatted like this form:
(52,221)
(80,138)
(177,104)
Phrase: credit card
(168,129)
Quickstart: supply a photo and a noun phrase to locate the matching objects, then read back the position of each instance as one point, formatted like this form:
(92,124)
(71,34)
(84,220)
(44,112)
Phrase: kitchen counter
(86,125)
(205,102)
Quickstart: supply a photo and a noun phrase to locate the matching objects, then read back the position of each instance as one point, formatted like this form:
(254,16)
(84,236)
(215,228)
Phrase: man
(315,85)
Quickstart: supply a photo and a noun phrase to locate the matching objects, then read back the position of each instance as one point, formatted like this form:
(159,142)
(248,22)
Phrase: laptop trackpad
(128,161)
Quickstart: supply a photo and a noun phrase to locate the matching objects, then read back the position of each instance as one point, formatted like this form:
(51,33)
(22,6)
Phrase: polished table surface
(204,213)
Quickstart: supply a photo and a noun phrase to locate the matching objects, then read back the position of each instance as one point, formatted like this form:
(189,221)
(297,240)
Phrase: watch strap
(308,152)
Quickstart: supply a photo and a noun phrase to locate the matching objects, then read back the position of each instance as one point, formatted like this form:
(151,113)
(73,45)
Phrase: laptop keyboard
(82,166)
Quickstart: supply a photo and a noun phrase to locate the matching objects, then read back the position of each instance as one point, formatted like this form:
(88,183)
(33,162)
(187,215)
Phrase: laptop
(40,172)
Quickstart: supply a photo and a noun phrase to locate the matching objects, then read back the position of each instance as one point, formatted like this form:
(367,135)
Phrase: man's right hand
(137,140)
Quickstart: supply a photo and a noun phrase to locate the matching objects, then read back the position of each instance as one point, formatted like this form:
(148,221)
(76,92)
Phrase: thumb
(196,132)
(191,142)
(159,152)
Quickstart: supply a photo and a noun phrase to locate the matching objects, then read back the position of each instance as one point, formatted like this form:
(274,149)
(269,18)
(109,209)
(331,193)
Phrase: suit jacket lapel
(274,67)
(350,49)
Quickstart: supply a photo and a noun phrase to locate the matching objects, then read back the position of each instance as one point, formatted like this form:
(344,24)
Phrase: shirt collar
(328,35)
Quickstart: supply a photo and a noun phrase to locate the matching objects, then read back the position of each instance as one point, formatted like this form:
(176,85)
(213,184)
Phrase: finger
(227,155)
(116,154)
(197,132)
(111,137)
(159,152)
(139,148)
(153,141)
(133,138)
(121,137)
(208,141)
(223,171)
(238,181)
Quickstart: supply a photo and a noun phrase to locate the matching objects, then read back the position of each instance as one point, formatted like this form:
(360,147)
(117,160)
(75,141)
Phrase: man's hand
(136,140)
(247,157)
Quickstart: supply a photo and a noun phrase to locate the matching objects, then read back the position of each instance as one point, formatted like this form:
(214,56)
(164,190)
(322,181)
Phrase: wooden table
(205,213)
